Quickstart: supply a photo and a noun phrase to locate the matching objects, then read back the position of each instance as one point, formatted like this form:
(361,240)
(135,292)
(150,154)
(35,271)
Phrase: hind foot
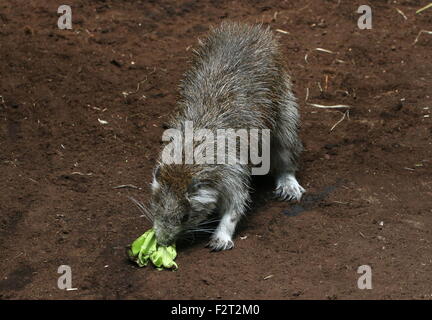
(288,188)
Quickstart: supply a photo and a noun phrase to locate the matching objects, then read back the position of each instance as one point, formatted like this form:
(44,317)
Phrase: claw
(288,189)
(217,244)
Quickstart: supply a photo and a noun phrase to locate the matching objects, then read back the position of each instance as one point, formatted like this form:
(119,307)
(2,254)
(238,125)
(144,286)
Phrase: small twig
(89,33)
(126,186)
(125,94)
(71,289)
(282,31)
(337,106)
(301,9)
(343,91)
(340,202)
(324,50)
(418,36)
(82,174)
(17,256)
(401,13)
(307,94)
(424,8)
(342,119)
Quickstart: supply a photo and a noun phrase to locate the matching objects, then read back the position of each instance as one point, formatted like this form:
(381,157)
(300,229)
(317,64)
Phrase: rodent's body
(237,81)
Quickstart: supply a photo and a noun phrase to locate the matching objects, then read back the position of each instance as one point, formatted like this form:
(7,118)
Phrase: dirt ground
(369,180)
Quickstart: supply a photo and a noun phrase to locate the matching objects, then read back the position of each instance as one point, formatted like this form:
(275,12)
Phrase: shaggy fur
(237,81)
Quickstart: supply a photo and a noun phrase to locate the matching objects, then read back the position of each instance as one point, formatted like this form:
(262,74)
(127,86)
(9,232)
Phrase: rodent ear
(202,196)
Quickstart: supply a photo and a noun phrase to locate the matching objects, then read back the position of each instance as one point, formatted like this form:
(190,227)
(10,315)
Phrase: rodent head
(179,203)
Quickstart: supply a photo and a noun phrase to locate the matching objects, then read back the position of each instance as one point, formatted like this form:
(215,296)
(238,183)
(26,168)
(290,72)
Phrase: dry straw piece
(401,13)
(324,50)
(424,8)
(337,106)
(418,36)
(346,113)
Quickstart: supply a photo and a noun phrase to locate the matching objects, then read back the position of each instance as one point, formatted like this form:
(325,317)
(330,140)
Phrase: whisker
(143,209)
(188,238)
(203,229)
(209,222)
(197,231)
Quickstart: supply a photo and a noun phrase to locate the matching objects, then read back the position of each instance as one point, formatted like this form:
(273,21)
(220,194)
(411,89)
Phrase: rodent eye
(185,218)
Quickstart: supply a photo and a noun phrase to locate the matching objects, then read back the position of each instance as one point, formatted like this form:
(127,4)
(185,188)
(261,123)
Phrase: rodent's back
(233,79)
(237,81)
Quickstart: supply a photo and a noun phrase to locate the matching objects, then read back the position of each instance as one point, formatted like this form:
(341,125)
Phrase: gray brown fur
(237,80)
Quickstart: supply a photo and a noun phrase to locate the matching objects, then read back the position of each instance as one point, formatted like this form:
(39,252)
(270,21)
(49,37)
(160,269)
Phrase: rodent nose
(166,242)
(164,239)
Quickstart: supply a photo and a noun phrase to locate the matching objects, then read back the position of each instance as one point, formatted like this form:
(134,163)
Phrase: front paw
(289,189)
(289,193)
(220,242)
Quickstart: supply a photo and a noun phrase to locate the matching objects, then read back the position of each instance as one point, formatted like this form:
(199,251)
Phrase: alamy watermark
(65,20)
(224,146)
(365,20)
(64,282)
(365,280)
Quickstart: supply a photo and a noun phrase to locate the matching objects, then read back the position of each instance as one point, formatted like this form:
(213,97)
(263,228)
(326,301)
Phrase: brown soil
(369,180)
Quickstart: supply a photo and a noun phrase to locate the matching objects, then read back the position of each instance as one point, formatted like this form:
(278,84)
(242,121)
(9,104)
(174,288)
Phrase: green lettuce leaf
(145,249)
